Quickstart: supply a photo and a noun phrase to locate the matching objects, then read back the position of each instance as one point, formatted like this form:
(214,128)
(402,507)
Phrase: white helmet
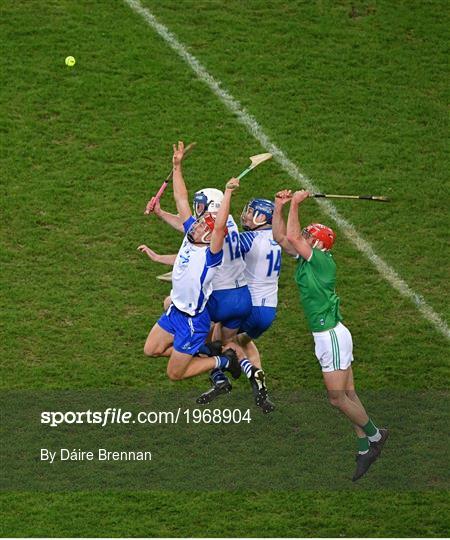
(207,200)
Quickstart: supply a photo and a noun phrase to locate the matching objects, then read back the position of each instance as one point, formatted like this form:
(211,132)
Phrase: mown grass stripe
(254,128)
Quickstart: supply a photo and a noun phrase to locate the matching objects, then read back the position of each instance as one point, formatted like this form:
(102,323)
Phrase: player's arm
(173,220)
(163,259)
(293,230)
(220,225)
(278,222)
(180,192)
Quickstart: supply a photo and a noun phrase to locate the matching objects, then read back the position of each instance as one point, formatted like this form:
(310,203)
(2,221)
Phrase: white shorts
(334,348)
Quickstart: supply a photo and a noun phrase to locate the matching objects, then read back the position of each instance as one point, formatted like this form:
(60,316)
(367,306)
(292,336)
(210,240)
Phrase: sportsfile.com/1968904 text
(113,415)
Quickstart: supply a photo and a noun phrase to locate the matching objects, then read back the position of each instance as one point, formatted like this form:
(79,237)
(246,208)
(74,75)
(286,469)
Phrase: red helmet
(321,233)
(207,222)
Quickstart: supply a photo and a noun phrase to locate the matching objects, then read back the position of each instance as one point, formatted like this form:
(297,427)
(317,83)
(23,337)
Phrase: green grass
(355,96)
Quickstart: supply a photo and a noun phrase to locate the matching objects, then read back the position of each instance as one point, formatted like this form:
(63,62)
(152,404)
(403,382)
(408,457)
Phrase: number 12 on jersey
(274,267)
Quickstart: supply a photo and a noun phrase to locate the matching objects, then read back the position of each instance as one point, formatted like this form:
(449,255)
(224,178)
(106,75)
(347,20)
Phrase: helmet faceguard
(200,231)
(253,210)
(206,200)
(320,233)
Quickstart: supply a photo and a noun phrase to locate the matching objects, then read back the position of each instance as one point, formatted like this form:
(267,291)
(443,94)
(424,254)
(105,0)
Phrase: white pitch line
(388,273)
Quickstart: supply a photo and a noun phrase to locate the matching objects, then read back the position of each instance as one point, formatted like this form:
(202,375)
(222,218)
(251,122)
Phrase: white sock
(376,437)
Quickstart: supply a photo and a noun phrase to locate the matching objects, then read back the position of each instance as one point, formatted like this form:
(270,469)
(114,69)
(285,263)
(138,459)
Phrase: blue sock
(218,376)
(246,367)
(222,362)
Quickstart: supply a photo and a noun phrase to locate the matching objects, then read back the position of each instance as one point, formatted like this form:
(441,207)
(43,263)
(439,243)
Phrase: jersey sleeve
(213,259)
(246,240)
(188,223)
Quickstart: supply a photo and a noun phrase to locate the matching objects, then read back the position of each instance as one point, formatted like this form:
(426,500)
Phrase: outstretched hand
(233,184)
(178,153)
(300,196)
(149,252)
(153,206)
(283,197)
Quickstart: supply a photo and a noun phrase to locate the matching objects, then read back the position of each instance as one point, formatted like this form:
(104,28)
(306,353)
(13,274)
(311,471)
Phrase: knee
(152,351)
(173,374)
(336,398)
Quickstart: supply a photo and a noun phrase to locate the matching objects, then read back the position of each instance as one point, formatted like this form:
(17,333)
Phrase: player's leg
(159,342)
(182,366)
(216,334)
(363,441)
(336,385)
(255,376)
(226,306)
(369,447)
(259,320)
(344,347)
(376,437)
(190,334)
(257,379)
(334,350)
(250,349)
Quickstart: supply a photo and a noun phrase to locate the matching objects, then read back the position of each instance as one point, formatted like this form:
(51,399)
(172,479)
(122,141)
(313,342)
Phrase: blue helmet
(207,200)
(258,207)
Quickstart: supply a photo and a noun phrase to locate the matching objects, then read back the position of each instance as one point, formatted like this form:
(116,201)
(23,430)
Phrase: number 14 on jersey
(274,262)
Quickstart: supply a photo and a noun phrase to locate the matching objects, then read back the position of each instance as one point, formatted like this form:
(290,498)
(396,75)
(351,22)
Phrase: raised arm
(180,192)
(163,259)
(278,223)
(294,231)
(220,225)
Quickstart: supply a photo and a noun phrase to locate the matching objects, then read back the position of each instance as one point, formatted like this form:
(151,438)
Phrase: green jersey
(316,281)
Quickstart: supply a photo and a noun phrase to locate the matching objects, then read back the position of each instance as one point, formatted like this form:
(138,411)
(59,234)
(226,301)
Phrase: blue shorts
(189,332)
(231,307)
(259,321)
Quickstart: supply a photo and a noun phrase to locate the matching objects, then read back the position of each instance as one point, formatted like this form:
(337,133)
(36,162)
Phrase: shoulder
(188,223)
(213,259)
(321,258)
(230,222)
(246,240)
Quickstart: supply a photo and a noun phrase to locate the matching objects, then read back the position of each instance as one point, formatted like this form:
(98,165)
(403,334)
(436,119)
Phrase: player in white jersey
(230,303)
(262,257)
(181,330)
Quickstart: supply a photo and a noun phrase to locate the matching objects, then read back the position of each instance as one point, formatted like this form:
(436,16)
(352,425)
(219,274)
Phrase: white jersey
(231,274)
(262,266)
(192,276)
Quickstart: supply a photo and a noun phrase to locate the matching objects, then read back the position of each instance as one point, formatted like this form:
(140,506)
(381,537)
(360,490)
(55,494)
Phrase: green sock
(371,430)
(363,445)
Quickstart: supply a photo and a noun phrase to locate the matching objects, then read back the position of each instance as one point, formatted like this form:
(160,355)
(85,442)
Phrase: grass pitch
(354,93)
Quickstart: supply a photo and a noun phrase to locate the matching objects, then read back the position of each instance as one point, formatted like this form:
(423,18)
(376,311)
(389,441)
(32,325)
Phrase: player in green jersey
(316,279)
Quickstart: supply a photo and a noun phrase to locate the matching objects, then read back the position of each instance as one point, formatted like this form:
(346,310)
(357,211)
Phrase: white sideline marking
(389,274)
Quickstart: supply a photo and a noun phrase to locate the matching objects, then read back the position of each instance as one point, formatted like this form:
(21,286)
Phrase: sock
(372,432)
(204,349)
(218,376)
(246,367)
(363,445)
(222,362)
